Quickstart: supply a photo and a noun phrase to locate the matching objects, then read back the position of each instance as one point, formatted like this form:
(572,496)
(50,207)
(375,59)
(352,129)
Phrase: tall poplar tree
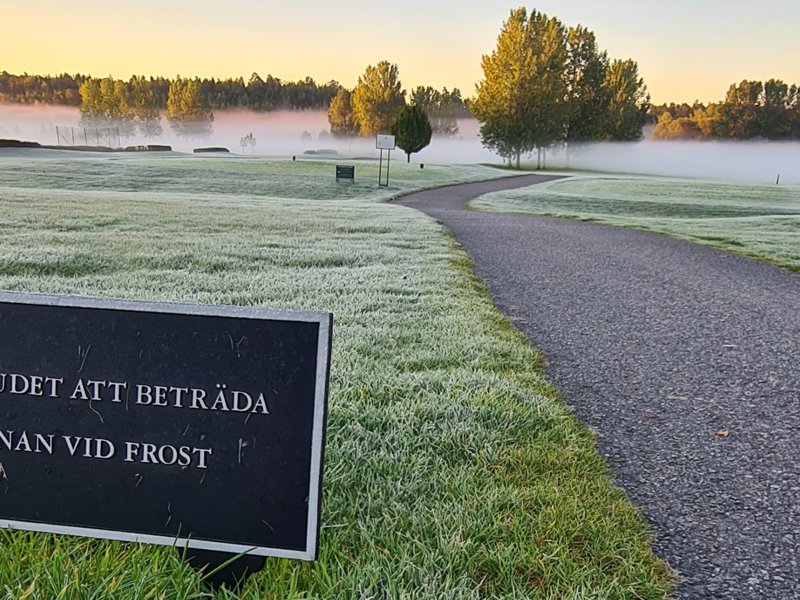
(500,101)
(107,103)
(521,102)
(148,118)
(545,85)
(548,93)
(378,98)
(121,114)
(585,75)
(340,115)
(793,103)
(188,113)
(107,99)
(737,115)
(628,102)
(774,117)
(91,110)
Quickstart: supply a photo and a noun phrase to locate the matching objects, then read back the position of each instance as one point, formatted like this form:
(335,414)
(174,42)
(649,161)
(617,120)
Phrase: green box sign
(345,172)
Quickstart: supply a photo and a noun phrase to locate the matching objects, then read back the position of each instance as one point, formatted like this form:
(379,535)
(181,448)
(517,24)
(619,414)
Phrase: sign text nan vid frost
(170,424)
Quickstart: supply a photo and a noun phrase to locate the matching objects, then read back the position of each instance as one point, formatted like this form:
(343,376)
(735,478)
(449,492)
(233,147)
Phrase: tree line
(132,107)
(378,104)
(254,94)
(544,85)
(750,110)
(378,98)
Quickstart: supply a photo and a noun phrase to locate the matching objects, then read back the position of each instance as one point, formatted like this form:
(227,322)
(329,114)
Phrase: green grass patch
(759,221)
(452,469)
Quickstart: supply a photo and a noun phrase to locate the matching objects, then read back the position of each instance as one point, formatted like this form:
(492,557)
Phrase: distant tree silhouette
(443,109)
(255,94)
(750,110)
(248,140)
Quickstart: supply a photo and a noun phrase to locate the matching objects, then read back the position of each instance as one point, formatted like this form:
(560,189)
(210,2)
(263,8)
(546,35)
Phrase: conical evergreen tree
(412,130)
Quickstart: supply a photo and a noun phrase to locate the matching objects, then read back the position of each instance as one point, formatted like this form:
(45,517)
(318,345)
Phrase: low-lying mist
(287,133)
(750,162)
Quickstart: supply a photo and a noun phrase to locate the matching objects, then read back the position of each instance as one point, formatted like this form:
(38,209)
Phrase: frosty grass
(452,469)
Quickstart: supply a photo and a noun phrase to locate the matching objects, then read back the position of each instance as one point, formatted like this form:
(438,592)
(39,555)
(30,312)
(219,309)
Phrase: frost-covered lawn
(253,176)
(756,220)
(452,469)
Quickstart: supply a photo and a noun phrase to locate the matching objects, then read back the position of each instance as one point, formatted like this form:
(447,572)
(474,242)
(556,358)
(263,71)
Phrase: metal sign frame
(384,142)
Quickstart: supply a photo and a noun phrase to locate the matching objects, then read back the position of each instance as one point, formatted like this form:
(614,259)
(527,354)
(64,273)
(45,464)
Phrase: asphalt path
(686,362)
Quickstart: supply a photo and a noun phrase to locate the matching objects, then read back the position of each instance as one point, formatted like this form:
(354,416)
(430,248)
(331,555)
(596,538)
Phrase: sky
(686,50)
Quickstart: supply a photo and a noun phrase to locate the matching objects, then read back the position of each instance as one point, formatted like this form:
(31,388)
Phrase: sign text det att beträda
(89,390)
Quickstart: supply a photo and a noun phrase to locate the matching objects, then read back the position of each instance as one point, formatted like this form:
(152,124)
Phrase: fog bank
(751,162)
(281,133)
(35,123)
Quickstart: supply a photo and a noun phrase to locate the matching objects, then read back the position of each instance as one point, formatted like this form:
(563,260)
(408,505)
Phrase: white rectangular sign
(384,142)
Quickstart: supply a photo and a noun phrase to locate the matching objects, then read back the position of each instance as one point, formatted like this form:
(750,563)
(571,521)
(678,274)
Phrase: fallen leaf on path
(722,433)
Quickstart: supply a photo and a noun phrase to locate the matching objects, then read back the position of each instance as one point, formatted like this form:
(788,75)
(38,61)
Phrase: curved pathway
(686,362)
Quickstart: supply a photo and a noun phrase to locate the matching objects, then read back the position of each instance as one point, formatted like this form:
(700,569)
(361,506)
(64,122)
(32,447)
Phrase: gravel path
(662,346)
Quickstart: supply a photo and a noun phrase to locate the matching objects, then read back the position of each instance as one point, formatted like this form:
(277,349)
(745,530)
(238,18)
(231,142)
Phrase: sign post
(199,427)
(384,142)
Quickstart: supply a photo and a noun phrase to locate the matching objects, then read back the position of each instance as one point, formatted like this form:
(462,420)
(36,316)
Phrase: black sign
(345,172)
(163,423)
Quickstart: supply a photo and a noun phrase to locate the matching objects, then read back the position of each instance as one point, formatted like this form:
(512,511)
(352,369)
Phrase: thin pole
(388,160)
(380,169)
